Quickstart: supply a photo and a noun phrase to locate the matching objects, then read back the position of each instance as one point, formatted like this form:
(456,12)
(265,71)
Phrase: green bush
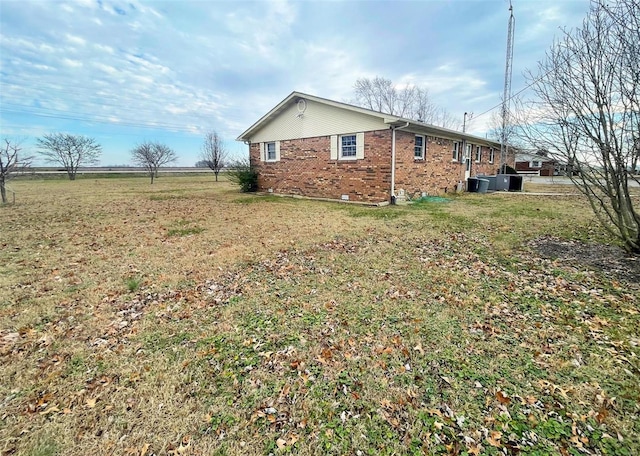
(245,175)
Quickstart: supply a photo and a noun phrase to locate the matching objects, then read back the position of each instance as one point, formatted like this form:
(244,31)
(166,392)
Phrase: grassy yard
(185,318)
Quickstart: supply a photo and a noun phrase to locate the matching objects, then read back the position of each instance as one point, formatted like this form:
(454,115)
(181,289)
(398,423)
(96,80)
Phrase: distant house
(538,164)
(315,147)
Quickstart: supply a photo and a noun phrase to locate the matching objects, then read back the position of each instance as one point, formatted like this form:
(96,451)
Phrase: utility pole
(464,121)
(507,90)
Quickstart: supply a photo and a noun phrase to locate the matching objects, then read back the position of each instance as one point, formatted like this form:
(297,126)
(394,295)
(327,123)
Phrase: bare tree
(587,112)
(213,152)
(381,94)
(512,140)
(423,110)
(10,163)
(443,118)
(69,151)
(151,156)
(377,94)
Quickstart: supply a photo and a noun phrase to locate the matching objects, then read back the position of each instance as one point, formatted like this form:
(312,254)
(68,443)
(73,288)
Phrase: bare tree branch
(69,151)
(213,152)
(10,163)
(151,156)
(587,112)
(413,102)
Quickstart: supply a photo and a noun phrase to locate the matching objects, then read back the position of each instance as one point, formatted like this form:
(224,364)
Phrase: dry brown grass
(185,318)
(534,187)
(69,249)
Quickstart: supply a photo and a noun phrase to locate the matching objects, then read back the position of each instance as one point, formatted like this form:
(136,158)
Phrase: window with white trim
(536,164)
(418,149)
(456,151)
(478,154)
(348,145)
(492,153)
(270,151)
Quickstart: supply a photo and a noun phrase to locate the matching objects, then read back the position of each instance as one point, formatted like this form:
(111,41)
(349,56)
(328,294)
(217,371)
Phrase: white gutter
(393,161)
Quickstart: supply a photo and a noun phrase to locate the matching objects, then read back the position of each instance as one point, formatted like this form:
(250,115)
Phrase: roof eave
(246,135)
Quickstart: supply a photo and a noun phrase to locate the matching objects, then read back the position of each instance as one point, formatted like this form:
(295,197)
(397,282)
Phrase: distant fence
(113,169)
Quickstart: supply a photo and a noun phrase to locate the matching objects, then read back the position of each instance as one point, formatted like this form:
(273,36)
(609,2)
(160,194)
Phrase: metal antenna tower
(507,90)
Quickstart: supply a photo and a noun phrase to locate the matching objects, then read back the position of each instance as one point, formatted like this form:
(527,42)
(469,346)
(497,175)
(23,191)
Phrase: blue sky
(129,71)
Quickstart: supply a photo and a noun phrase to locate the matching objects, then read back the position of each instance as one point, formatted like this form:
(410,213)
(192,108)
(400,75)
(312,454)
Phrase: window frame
(350,156)
(267,151)
(337,148)
(535,164)
(422,147)
(492,154)
(478,154)
(456,151)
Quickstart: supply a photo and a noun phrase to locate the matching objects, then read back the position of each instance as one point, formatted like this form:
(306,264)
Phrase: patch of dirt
(609,260)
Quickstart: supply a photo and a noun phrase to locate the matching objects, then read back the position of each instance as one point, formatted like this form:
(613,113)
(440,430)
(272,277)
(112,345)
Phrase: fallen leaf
(91,402)
(602,415)
(494,438)
(503,398)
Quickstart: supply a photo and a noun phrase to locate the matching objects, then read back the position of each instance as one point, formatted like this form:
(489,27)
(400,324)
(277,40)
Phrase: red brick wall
(436,174)
(305,168)
(437,171)
(484,167)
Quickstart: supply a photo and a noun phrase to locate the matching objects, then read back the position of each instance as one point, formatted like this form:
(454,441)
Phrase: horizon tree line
(72,152)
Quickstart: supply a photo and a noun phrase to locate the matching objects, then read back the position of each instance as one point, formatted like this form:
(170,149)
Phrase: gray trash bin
(492,181)
(483,185)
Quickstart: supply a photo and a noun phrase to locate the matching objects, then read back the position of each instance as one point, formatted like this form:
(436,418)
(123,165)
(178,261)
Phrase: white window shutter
(334,147)
(359,146)
(262,157)
(277,150)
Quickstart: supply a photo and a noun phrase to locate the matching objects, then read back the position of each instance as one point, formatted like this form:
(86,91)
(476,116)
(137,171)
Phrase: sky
(125,72)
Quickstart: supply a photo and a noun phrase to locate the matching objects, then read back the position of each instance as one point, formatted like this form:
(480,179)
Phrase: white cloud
(75,39)
(103,48)
(72,63)
(451,77)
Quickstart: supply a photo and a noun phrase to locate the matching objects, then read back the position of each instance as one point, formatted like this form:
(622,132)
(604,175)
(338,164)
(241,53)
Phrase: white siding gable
(318,119)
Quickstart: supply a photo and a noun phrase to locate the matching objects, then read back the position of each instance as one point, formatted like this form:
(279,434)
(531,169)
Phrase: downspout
(393,162)
(248,143)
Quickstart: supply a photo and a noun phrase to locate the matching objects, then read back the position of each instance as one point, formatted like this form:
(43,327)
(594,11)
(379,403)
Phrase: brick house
(315,147)
(536,164)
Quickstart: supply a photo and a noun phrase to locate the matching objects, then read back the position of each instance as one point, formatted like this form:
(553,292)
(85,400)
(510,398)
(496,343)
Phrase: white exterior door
(467,162)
